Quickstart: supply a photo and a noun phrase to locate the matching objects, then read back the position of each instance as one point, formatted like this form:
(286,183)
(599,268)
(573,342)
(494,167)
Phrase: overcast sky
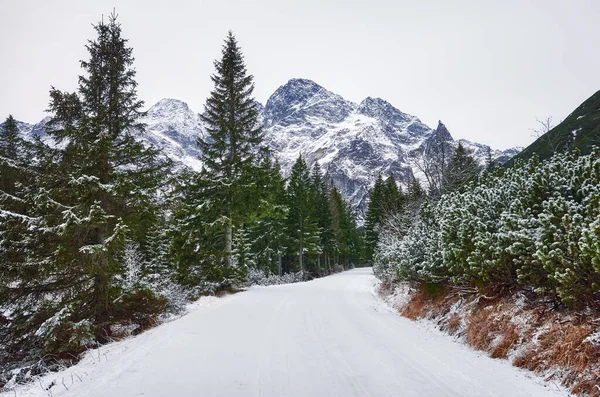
(487,69)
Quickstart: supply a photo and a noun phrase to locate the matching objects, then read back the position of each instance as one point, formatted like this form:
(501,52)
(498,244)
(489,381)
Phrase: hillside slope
(581,130)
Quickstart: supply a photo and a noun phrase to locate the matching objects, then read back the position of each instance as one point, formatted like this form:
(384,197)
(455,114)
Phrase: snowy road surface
(329,337)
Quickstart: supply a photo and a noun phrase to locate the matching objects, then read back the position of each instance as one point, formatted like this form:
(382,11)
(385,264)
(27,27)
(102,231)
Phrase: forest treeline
(100,234)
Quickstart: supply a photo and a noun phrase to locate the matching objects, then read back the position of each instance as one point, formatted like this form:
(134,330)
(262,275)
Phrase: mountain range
(353,143)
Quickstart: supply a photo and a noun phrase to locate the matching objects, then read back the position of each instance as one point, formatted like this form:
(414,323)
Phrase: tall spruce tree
(234,135)
(323,213)
(15,209)
(415,195)
(10,144)
(348,242)
(106,184)
(373,217)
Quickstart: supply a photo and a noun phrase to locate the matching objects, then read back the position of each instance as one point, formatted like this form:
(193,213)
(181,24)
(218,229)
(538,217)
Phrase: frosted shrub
(259,277)
(534,225)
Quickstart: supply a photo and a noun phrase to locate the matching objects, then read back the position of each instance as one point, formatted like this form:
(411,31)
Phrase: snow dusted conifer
(394,200)
(230,150)
(373,217)
(348,241)
(15,208)
(302,217)
(105,181)
(462,169)
(323,217)
(268,231)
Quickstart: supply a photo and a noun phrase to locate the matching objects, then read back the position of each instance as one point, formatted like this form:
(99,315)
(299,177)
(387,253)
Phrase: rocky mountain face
(352,142)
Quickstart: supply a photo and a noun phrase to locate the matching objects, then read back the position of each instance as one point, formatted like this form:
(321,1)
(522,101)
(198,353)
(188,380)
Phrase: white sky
(486,68)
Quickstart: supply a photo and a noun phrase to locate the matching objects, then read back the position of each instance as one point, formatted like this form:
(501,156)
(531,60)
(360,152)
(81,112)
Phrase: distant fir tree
(462,169)
(393,200)
(268,232)
(373,217)
(415,195)
(10,145)
(323,213)
(226,193)
(100,190)
(415,190)
(302,218)
(489,161)
(347,240)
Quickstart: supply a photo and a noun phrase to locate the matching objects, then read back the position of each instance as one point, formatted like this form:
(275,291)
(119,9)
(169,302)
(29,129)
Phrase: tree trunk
(279,264)
(301,251)
(229,244)
(319,264)
(300,255)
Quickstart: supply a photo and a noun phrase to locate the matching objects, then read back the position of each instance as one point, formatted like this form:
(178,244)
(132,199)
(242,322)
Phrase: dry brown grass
(428,301)
(590,387)
(416,308)
(453,324)
(480,328)
(563,346)
(510,338)
(560,351)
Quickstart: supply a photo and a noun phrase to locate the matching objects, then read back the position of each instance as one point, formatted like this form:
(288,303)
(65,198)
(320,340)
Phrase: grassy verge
(561,345)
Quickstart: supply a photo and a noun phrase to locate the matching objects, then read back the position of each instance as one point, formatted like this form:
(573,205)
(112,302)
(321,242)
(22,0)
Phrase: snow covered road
(328,337)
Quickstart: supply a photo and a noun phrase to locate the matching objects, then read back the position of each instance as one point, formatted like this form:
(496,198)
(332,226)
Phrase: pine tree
(230,152)
(415,194)
(323,215)
(196,239)
(302,218)
(268,229)
(373,218)
(10,144)
(393,201)
(27,246)
(106,183)
(348,242)
(462,169)
(15,207)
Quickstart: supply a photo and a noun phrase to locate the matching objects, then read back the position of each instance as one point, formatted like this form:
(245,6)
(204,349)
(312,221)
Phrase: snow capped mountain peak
(300,99)
(167,107)
(173,115)
(173,127)
(352,142)
(441,133)
(377,107)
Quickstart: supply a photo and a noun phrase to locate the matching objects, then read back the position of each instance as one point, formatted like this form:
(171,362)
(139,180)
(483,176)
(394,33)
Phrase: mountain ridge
(580,130)
(353,142)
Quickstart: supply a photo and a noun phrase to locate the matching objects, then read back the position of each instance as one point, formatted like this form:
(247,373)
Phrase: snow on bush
(139,274)
(259,277)
(536,224)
